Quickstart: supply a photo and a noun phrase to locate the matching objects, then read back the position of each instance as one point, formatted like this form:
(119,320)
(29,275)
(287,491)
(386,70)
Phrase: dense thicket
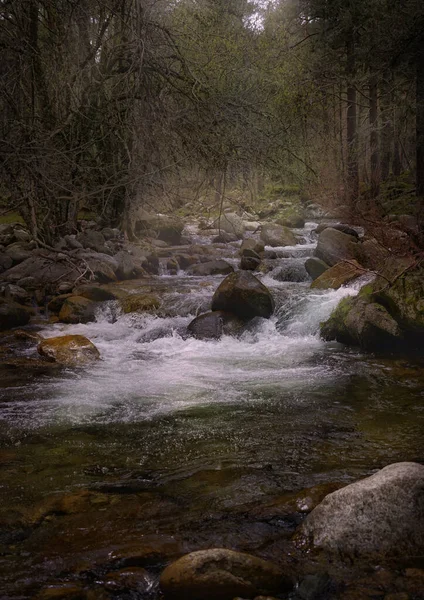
(106,105)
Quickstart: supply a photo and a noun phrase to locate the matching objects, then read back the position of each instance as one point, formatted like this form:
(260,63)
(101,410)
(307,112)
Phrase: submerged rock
(380,516)
(334,246)
(244,295)
(341,274)
(212,325)
(69,350)
(277,235)
(220,574)
(12,315)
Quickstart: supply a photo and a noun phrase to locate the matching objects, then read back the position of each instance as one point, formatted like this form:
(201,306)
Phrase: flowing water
(171,435)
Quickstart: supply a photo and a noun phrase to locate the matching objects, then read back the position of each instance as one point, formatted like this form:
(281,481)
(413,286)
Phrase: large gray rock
(380,516)
(230,223)
(213,267)
(339,227)
(220,574)
(12,315)
(277,235)
(102,266)
(334,246)
(43,270)
(212,325)
(244,295)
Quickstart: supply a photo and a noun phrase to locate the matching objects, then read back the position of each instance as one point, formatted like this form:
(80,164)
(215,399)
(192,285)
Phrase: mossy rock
(139,303)
(358,321)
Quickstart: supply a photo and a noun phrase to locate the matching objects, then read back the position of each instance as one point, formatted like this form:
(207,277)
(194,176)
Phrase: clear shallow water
(209,425)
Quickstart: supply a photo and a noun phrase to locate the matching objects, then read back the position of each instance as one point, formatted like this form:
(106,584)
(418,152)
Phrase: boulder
(225,238)
(77,309)
(334,246)
(12,315)
(139,303)
(251,225)
(220,574)
(69,350)
(244,295)
(380,516)
(404,298)
(163,227)
(341,274)
(127,269)
(44,270)
(95,293)
(315,267)
(277,235)
(230,223)
(72,242)
(291,270)
(249,263)
(5,262)
(294,221)
(15,293)
(103,266)
(213,267)
(56,303)
(358,321)
(250,244)
(212,325)
(385,316)
(339,227)
(19,251)
(93,240)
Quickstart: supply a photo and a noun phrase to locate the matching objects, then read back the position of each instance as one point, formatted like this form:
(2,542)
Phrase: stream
(173,438)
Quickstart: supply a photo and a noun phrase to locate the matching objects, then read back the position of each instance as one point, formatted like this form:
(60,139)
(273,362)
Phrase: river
(172,436)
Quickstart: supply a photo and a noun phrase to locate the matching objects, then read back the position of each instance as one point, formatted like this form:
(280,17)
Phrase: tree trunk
(386,125)
(374,147)
(420,140)
(352,138)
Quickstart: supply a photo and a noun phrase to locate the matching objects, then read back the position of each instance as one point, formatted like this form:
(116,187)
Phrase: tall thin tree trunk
(352,138)
(374,146)
(419,126)
(386,126)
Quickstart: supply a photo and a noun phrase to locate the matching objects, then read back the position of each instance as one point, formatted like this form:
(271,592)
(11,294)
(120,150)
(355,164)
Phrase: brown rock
(220,574)
(69,350)
(338,275)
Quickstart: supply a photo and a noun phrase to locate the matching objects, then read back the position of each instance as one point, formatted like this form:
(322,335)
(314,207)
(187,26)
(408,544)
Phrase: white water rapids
(149,367)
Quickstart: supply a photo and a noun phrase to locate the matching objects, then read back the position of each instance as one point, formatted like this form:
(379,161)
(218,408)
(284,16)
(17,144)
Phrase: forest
(111,105)
(211,300)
